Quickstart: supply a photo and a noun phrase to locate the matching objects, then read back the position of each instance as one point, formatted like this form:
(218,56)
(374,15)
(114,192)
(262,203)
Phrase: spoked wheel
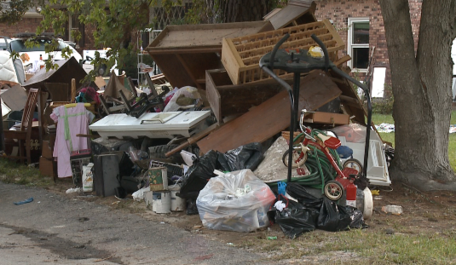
(353,163)
(298,159)
(333,190)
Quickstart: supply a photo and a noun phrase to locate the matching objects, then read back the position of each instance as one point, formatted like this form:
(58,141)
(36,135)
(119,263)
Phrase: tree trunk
(422,92)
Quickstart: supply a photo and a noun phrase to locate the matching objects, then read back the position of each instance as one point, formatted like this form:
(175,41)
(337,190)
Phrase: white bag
(236,201)
(87,178)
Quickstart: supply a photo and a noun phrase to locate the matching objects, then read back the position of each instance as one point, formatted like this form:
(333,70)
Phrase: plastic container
(393,209)
(351,194)
(161,202)
(158,178)
(177,203)
(87,178)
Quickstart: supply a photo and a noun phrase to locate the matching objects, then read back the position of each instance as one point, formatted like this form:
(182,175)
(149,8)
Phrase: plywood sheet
(227,99)
(204,35)
(300,13)
(272,116)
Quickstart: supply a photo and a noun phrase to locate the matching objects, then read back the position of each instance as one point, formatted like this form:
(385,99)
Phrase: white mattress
(7,70)
(152,125)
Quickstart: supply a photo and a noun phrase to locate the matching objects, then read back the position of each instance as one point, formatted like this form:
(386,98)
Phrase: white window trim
(70,27)
(352,20)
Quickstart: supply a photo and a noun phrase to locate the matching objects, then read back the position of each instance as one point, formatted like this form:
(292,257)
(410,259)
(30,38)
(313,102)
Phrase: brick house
(360,24)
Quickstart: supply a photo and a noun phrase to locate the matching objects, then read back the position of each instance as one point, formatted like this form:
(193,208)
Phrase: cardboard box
(327,118)
(47,150)
(48,167)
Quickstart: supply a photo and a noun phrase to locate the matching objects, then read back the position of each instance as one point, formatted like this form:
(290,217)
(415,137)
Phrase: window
(358,43)
(75,25)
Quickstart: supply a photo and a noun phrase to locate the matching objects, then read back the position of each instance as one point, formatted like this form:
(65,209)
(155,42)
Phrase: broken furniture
(106,171)
(66,71)
(272,116)
(48,166)
(151,124)
(23,132)
(227,99)
(144,102)
(295,13)
(184,52)
(240,56)
(59,91)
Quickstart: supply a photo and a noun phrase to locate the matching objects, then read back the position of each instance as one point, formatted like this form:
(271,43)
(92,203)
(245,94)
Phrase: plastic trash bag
(304,195)
(333,217)
(357,219)
(183,97)
(246,156)
(237,201)
(296,219)
(198,175)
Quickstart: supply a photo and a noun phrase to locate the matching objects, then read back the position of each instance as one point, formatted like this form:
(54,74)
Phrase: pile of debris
(208,136)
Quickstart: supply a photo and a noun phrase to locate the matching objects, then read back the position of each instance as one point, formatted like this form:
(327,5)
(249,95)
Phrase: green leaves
(13,12)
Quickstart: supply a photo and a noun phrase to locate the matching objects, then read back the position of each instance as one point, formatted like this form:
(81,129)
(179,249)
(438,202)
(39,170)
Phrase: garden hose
(320,168)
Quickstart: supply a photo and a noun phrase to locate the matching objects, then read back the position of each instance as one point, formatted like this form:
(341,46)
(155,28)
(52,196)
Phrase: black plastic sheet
(333,217)
(303,196)
(296,219)
(198,175)
(246,156)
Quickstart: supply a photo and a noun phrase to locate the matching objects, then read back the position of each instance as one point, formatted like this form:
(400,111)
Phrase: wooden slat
(272,116)
(238,53)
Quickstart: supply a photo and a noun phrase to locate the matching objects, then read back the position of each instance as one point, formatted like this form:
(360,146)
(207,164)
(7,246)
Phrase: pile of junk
(248,124)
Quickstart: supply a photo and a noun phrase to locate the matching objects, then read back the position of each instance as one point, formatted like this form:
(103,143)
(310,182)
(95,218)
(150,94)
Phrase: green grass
(363,247)
(389,137)
(11,172)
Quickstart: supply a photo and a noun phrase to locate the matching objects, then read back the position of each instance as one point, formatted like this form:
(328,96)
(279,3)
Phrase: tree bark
(422,92)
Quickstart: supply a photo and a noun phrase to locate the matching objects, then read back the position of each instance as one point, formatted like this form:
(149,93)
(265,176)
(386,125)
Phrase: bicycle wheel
(353,163)
(333,190)
(298,159)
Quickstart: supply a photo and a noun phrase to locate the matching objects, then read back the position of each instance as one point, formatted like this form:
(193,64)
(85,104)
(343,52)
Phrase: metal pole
(294,114)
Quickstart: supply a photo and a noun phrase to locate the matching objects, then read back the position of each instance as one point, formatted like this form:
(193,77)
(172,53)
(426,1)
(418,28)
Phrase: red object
(332,143)
(351,192)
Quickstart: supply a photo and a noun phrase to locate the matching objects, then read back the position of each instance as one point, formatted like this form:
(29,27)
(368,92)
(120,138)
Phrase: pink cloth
(70,121)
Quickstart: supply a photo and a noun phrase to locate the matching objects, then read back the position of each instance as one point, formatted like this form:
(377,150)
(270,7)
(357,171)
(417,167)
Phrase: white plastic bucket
(161,202)
(177,203)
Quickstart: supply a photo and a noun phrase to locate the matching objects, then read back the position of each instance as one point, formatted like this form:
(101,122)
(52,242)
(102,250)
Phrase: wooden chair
(23,132)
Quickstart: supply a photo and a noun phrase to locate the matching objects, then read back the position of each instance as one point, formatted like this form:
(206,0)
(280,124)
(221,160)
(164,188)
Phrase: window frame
(350,45)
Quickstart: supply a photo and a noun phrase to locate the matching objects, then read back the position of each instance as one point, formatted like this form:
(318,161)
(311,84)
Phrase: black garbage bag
(246,156)
(303,196)
(198,175)
(296,219)
(333,217)
(357,219)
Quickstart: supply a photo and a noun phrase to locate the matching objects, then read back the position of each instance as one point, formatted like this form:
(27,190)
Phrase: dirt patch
(423,213)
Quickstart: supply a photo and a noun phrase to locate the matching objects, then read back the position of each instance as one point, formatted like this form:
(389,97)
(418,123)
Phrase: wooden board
(184,52)
(203,35)
(241,56)
(227,99)
(272,116)
(300,13)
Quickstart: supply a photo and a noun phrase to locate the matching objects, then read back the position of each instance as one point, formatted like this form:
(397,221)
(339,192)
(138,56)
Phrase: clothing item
(70,122)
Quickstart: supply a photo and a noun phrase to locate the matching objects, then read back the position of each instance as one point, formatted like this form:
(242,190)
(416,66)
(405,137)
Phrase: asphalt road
(54,229)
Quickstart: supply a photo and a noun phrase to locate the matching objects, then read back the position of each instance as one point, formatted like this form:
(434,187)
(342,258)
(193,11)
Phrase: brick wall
(25,25)
(340,10)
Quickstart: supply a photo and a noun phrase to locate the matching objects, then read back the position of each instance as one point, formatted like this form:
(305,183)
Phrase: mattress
(7,70)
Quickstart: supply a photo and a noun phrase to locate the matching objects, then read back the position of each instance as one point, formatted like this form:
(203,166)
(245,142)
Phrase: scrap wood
(193,139)
(272,116)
